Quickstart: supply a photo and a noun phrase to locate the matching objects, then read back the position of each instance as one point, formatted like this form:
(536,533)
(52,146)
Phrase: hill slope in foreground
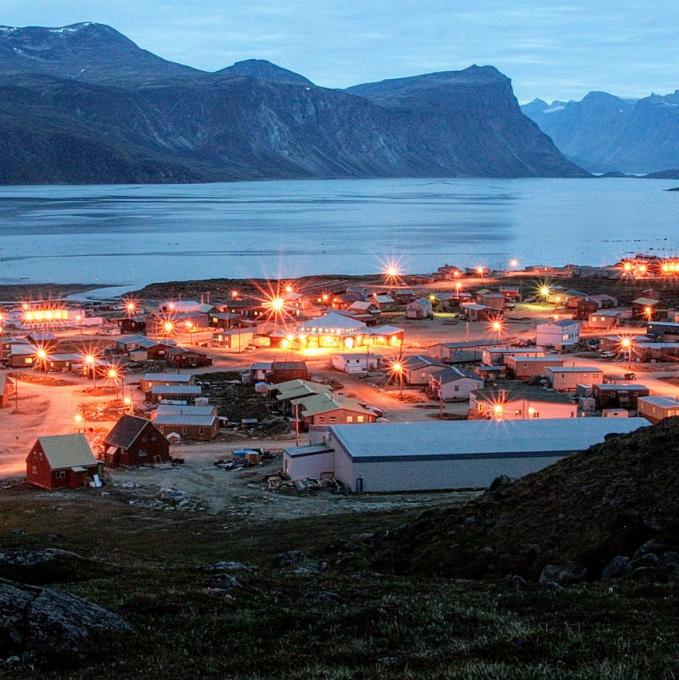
(618,501)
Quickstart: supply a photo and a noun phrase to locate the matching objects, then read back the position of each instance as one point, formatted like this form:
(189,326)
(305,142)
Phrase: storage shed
(389,457)
(135,441)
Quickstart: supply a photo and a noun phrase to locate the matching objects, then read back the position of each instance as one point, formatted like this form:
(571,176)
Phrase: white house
(453,384)
(419,309)
(495,356)
(559,334)
(567,378)
(420,456)
(355,363)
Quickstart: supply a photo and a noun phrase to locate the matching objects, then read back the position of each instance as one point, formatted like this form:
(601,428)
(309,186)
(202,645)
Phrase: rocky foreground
(608,512)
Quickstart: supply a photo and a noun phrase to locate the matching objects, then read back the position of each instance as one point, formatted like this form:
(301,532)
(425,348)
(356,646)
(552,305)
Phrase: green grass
(277,626)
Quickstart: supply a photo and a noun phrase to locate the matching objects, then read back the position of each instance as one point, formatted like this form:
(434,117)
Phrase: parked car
(630,376)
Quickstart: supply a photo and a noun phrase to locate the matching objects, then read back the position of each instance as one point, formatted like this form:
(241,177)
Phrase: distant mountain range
(84,104)
(605,133)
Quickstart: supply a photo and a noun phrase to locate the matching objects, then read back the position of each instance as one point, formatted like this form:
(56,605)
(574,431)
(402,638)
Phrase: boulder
(563,574)
(50,626)
(619,566)
(46,565)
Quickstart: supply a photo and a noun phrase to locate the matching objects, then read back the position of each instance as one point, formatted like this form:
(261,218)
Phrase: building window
(34,470)
(359,419)
(61,474)
(350,419)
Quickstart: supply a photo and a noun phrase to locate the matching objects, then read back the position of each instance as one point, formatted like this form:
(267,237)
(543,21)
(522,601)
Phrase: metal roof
(168,377)
(664,402)
(125,431)
(333,321)
(478,437)
(67,451)
(573,369)
(181,409)
(180,419)
(176,389)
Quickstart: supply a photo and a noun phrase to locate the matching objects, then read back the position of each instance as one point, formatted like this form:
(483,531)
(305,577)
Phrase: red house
(282,371)
(61,462)
(135,441)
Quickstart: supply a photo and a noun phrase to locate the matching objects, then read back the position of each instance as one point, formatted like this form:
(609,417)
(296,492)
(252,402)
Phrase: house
(384,301)
(132,324)
(286,393)
(511,293)
(364,307)
(224,320)
(173,393)
(530,368)
(517,401)
(420,309)
(560,334)
(604,301)
(423,456)
(61,462)
(418,368)
(199,423)
(649,309)
(151,379)
(668,331)
(496,301)
(453,384)
(656,351)
(381,336)
(403,295)
(657,408)
(447,273)
(235,339)
(618,395)
(567,378)
(283,371)
(181,357)
(476,312)
(604,319)
(259,371)
(494,356)
(327,409)
(7,387)
(466,351)
(135,441)
(21,356)
(59,362)
(584,308)
(355,363)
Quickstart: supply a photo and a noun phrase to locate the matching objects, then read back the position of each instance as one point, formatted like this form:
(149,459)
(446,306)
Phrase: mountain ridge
(98,108)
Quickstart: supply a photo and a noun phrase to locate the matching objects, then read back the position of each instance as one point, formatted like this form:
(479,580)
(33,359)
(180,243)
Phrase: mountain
(261,68)
(607,133)
(87,51)
(611,510)
(85,104)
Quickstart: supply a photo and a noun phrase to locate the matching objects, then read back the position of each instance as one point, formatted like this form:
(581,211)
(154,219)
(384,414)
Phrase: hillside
(620,499)
(606,133)
(94,107)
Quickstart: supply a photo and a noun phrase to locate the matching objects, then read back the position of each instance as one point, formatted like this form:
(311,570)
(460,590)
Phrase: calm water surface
(133,235)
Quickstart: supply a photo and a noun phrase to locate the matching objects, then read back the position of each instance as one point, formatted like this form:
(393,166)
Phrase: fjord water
(135,234)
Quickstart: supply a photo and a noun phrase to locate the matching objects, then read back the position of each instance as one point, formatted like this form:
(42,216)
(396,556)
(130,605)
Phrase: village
(285,397)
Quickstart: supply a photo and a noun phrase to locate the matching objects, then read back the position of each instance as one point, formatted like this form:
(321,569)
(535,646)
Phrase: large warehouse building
(385,457)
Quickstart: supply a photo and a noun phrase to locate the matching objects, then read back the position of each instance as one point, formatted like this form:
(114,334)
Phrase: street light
(397,369)
(91,363)
(497,327)
(79,422)
(498,411)
(41,354)
(168,327)
(190,328)
(627,345)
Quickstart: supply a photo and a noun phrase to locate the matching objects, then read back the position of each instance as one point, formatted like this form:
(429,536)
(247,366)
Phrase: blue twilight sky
(550,48)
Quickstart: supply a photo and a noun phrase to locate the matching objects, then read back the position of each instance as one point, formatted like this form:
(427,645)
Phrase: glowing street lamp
(79,422)
(190,327)
(648,312)
(127,403)
(544,291)
(513,263)
(397,369)
(90,362)
(392,272)
(497,327)
(627,345)
(168,327)
(498,411)
(41,355)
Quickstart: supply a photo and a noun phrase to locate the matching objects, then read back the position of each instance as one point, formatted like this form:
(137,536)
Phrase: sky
(553,49)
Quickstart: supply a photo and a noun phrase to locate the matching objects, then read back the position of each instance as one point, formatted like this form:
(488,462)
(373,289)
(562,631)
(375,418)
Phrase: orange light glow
(168,327)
